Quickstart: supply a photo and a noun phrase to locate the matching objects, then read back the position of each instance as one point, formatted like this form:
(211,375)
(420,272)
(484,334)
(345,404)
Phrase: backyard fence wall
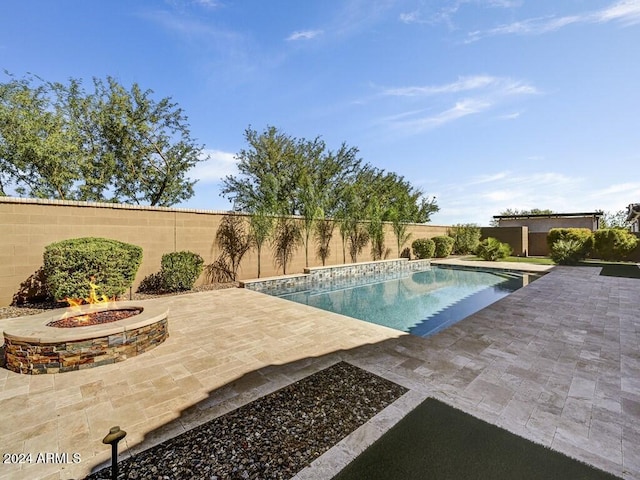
(28,225)
(538,244)
(518,237)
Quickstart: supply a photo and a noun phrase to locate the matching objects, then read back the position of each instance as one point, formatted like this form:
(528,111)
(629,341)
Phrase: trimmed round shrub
(492,249)
(444,246)
(567,252)
(466,238)
(583,236)
(423,248)
(180,270)
(71,264)
(613,243)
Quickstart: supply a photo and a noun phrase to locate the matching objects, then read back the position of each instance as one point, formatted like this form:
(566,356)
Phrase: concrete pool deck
(557,362)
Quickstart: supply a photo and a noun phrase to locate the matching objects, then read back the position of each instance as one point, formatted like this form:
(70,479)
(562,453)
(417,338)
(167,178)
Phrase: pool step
(456,311)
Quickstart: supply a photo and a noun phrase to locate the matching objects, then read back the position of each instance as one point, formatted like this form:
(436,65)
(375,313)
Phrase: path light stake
(113,437)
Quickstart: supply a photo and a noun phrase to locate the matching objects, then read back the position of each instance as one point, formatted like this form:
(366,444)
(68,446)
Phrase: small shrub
(466,238)
(444,246)
(406,253)
(180,270)
(423,248)
(613,243)
(151,283)
(492,249)
(567,252)
(69,265)
(584,236)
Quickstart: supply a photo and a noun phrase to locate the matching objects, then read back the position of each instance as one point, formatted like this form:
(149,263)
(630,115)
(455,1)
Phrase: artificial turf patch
(620,270)
(436,441)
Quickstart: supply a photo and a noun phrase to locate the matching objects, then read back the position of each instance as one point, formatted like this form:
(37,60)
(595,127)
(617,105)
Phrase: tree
(285,240)
(113,144)
(267,173)
(260,228)
(323,234)
(375,229)
(36,150)
(614,220)
(233,242)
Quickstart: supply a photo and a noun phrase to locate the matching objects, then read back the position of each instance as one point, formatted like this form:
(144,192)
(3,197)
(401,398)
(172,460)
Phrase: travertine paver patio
(557,362)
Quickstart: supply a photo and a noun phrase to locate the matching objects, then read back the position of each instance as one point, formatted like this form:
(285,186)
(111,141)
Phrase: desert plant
(584,236)
(323,234)
(406,253)
(180,270)
(71,264)
(285,241)
(260,228)
(423,248)
(567,252)
(492,249)
(151,283)
(444,245)
(613,243)
(233,242)
(466,238)
(358,239)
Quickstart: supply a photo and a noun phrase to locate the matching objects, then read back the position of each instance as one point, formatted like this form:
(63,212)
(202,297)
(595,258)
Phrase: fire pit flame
(93,297)
(73,319)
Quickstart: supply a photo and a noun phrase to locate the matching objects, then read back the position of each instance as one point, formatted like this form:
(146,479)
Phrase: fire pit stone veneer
(33,347)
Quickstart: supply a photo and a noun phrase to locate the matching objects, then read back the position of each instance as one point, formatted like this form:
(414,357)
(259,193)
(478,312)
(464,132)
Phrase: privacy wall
(28,225)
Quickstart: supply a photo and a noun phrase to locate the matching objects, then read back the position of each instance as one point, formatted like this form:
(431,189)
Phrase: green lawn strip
(533,260)
(436,441)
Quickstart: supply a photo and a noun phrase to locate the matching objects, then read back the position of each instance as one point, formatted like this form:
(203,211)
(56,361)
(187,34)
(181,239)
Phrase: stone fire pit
(34,347)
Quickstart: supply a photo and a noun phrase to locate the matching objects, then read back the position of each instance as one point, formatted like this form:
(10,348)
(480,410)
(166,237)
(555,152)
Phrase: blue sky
(486,104)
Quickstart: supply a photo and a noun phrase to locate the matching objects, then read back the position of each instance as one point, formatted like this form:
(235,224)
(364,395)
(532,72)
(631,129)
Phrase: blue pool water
(422,303)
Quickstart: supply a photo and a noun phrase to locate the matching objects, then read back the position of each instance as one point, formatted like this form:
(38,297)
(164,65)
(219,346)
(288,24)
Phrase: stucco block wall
(28,225)
(543,225)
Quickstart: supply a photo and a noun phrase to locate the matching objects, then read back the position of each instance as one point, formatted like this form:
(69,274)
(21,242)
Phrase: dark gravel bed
(275,436)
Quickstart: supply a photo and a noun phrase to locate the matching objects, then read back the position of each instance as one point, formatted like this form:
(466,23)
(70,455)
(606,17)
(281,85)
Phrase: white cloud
(411,17)
(304,35)
(631,188)
(219,165)
(625,11)
(477,199)
(464,84)
(484,92)
(510,116)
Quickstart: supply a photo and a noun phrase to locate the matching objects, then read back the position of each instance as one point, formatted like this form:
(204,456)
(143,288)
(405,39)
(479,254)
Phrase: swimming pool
(421,303)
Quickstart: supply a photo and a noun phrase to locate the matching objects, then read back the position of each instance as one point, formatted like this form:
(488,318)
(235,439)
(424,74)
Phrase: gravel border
(273,437)
(35,308)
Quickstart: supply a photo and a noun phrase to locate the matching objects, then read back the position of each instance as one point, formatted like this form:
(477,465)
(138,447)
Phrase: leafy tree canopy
(111,144)
(615,220)
(303,177)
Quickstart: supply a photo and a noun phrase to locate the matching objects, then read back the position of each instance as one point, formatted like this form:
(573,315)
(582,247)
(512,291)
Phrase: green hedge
(180,270)
(583,236)
(444,246)
(567,252)
(492,249)
(466,238)
(613,243)
(423,248)
(71,264)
